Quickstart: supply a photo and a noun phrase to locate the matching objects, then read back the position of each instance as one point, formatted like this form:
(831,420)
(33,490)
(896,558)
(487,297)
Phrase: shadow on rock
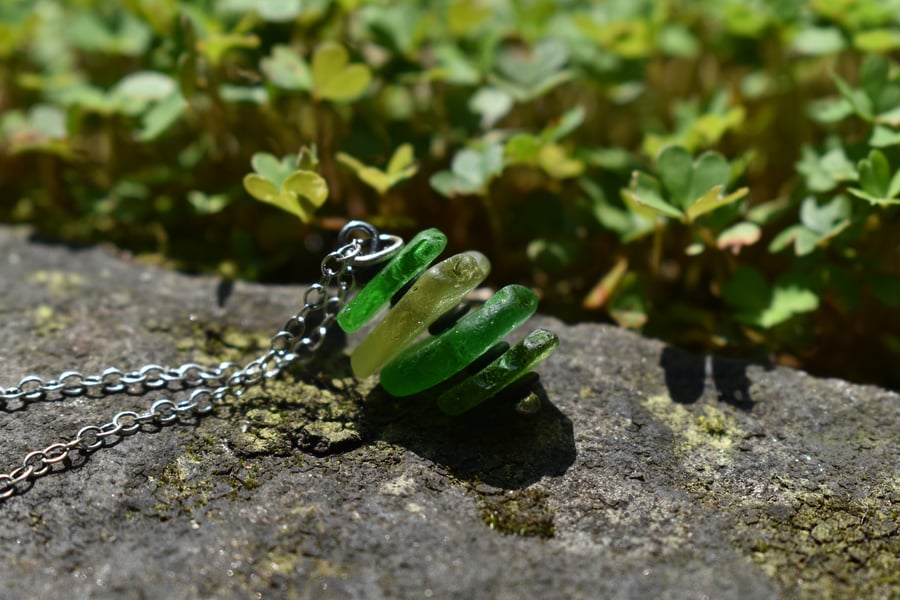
(509,442)
(686,375)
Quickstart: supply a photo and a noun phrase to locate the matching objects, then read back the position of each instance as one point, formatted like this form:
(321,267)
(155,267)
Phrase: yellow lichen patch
(696,429)
(57,282)
(47,320)
(818,544)
(401,486)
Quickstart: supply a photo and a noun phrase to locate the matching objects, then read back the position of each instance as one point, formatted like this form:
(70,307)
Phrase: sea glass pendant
(409,366)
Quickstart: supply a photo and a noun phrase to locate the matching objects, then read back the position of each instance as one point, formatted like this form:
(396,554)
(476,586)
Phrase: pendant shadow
(511,441)
(497,443)
(687,375)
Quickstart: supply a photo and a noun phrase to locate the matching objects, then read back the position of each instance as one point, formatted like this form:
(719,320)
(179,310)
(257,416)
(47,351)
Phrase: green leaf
(216,45)
(551,255)
(758,304)
(260,188)
(162,116)
(645,191)
(877,40)
(861,103)
(278,11)
(253,94)
(824,173)
(675,39)
(286,69)
(874,174)
(675,166)
(492,103)
(557,163)
(816,41)
(883,137)
(712,200)
(145,86)
(205,204)
(453,67)
(269,167)
(308,185)
(399,167)
(471,171)
(301,193)
(789,298)
(766,212)
(628,305)
(564,125)
(522,148)
(333,78)
(803,239)
(532,67)
(478,167)
(894,186)
(873,200)
(449,184)
(874,75)
(710,170)
(838,166)
(825,218)
(830,110)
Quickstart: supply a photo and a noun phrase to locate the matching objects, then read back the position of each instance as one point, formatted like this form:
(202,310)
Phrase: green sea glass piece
(438,358)
(512,365)
(412,260)
(439,289)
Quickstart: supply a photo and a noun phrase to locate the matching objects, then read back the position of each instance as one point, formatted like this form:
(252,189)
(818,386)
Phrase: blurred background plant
(722,175)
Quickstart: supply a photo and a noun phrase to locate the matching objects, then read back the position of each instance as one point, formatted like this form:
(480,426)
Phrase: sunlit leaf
(645,190)
(712,200)
(334,78)
(739,235)
(286,69)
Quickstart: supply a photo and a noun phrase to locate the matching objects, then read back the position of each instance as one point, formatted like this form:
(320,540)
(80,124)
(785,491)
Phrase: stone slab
(648,472)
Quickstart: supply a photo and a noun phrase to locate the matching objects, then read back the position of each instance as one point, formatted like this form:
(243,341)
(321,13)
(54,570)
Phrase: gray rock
(647,472)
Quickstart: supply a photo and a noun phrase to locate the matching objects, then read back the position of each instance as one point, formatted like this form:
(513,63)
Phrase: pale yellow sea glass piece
(439,289)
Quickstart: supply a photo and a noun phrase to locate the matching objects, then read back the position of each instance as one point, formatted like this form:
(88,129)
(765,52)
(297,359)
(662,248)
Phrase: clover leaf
(760,304)
(686,189)
(400,167)
(299,192)
(471,171)
(879,186)
(334,78)
(876,100)
(818,225)
(285,69)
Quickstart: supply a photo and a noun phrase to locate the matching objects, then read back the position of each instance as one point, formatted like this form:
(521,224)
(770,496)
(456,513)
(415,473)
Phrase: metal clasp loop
(376,247)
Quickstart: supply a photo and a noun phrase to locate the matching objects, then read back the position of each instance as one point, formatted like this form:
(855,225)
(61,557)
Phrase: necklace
(454,356)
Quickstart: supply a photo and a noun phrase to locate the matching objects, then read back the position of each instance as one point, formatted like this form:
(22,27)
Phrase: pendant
(409,365)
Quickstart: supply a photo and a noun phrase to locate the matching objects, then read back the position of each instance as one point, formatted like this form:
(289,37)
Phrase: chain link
(297,342)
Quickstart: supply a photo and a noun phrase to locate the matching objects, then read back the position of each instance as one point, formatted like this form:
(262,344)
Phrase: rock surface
(647,472)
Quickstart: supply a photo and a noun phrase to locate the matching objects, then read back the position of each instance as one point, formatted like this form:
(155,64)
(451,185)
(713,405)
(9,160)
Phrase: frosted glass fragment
(439,289)
(512,365)
(409,262)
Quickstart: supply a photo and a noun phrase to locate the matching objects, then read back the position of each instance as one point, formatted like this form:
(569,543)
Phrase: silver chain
(296,343)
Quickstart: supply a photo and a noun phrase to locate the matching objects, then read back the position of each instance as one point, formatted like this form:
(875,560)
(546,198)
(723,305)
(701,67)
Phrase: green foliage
(299,191)
(399,167)
(723,175)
